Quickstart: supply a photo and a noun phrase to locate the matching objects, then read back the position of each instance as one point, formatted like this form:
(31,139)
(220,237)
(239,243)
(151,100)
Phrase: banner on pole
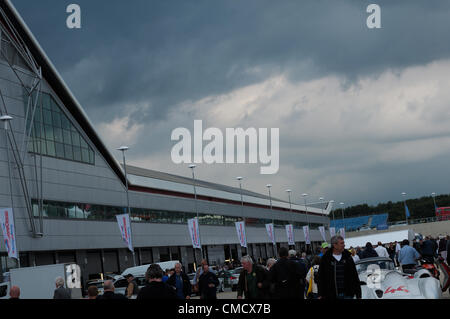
(332,231)
(290,234)
(194,232)
(269,228)
(322,232)
(306,233)
(125,229)
(240,228)
(9,231)
(342,232)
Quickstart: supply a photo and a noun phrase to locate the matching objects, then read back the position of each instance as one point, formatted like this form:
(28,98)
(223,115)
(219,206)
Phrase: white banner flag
(332,231)
(342,232)
(306,233)
(290,234)
(269,228)
(125,229)
(240,228)
(9,231)
(322,232)
(194,231)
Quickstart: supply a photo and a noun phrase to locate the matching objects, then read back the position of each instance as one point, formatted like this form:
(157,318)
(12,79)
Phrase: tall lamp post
(304,195)
(332,202)
(343,218)
(240,178)
(6,119)
(123,149)
(270,199)
(434,201)
(192,167)
(290,206)
(404,204)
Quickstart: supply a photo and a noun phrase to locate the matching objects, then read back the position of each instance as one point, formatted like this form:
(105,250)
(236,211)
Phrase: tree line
(418,208)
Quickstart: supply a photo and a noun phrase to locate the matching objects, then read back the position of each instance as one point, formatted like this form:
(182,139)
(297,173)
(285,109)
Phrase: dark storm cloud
(160,53)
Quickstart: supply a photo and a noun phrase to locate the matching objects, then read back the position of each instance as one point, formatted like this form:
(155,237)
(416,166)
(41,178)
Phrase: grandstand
(357,223)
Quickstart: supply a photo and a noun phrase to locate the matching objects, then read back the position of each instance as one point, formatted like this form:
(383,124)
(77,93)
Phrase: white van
(139,271)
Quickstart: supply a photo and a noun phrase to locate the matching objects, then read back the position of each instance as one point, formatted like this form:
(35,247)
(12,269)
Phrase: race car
(380,279)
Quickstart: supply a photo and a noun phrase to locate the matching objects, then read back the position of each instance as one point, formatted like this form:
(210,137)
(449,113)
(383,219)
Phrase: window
(58,135)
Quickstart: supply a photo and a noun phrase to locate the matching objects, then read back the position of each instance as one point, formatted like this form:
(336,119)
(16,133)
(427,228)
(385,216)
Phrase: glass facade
(54,135)
(52,209)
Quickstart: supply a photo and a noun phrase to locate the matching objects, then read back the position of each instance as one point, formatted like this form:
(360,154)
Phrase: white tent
(385,238)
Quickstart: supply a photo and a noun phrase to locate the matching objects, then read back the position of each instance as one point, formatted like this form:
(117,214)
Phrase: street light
(343,218)
(192,167)
(6,119)
(290,204)
(332,202)
(434,201)
(123,149)
(270,199)
(304,195)
(404,203)
(240,178)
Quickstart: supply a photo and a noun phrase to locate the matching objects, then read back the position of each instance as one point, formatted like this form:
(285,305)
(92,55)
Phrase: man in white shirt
(381,251)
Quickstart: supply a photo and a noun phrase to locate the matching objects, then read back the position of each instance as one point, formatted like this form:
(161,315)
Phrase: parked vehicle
(140,271)
(234,277)
(39,282)
(121,284)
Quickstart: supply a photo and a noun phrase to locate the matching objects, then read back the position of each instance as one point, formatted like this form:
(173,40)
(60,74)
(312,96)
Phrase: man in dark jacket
(180,281)
(369,252)
(108,292)
(428,249)
(338,278)
(286,275)
(303,265)
(253,281)
(61,292)
(207,283)
(155,288)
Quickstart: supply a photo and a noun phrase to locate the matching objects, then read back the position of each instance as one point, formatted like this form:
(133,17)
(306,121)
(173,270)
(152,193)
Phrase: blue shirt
(179,286)
(408,256)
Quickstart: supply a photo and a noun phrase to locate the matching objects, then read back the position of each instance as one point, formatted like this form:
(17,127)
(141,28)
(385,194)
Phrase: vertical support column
(155,253)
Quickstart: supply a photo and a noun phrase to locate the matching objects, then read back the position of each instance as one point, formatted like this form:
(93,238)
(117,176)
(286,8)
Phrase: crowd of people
(329,273)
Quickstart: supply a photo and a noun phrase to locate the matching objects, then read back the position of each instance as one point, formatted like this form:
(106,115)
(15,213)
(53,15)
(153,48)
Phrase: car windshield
(382,264)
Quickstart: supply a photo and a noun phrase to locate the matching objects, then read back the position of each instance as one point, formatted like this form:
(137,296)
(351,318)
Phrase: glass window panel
(49,133)
(77,153)
(37,130)
(75,139)
(51,148)
(68,152)
(85,155)
(37,115)
(65,122)
(56,119)
(59,150)
(41,144)
(55,107)
(91,157)
(48,117)
(46,101)
(58,134)
(67,137)
(83,143)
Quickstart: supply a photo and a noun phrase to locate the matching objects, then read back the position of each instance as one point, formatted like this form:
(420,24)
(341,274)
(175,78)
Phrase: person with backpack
(286,276)
(312,278)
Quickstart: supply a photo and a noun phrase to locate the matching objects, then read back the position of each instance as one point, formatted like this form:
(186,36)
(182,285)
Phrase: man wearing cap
(132,289)
(323,249)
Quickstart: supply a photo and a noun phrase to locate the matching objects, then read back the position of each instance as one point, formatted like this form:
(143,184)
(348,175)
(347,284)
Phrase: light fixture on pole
(192,167)
(321,206)
(270,199)
(332,202)
(240,178)
(290,204)
(304,195)
(404,204)
(434,201)
(343,218)
(123,149)
(6,119)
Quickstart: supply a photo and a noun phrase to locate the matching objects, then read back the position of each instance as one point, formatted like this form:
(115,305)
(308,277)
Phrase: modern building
(65,186)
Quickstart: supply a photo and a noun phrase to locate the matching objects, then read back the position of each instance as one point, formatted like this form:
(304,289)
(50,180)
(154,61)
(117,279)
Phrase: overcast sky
(363,113)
